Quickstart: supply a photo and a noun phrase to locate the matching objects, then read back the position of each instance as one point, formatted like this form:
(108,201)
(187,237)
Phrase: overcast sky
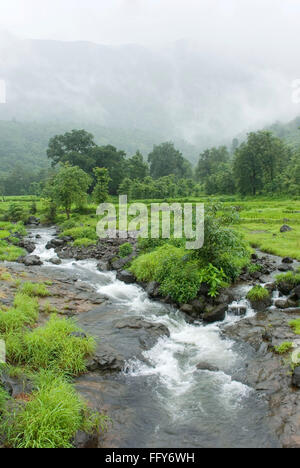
(258,38)
(235,23)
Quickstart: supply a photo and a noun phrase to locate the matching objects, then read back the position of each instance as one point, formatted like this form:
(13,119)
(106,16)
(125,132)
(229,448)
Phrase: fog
(201,70)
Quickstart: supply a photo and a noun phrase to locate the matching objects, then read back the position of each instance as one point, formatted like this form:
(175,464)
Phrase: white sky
(232,23)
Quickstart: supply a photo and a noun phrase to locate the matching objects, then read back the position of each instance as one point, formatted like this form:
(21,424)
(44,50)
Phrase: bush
(84,242)
(125,250)
(3,399)
(258,293)
(81,233)
(15,213)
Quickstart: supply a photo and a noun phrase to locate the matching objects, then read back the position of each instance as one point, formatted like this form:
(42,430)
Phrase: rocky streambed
(170,377)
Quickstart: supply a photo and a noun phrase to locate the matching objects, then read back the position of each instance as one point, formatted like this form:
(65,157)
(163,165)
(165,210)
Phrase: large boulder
(285,267)
(126,276)
(55,261)
(27,245)
(205,366)
(216,314)
(32,260)
(287,260)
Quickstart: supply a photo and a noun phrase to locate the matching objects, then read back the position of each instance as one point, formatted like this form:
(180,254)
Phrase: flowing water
(174,404)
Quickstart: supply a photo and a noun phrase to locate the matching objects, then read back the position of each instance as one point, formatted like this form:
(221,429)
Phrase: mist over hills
(133,96)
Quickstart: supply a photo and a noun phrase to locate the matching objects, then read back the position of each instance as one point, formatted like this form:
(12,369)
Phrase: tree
(113,160)
(137,167)
(72,147)
(258,161)
(209,162)
(166,160)
(100,192)
(70,187)
(126,188)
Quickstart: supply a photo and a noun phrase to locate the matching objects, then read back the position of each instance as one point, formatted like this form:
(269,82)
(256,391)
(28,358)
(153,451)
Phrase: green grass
(53,347)
(83,242)
(258,293)
(291,277)
(9,252)
(284,348)
(125,250)
(35,290)
(24,312)
(3,399)
(50,418)
(295,324)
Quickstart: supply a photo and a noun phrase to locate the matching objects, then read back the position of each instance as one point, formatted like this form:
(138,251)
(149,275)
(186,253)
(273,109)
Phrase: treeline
(263,164)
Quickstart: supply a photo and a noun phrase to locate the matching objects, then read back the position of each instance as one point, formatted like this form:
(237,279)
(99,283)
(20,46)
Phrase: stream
(168,402)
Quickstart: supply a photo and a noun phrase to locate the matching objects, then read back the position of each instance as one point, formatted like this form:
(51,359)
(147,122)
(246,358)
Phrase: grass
(295,324)
(53,347)
(291,277)
(51,417)
(24,312)
(35,290)
(258,293)
(83,242)
(125,250)
(9,252)
(284,348)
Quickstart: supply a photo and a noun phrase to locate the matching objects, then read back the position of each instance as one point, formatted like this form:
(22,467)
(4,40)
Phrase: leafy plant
(284,348)
(214,277)
(258,293)
(125,250)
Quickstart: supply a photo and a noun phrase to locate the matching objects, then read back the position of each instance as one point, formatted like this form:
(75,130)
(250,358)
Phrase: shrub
(15,213)
(214,277)
(84,242)
(54,347)
(81,233)
(284,348)
(35,289)
(258,293)
(125,250)
(3,399)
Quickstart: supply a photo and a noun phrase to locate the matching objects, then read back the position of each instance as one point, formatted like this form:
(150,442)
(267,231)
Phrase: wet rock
(103,266)
(296,293)
(296,377)
(198,305)
(15,386)
(287,260)
(106,359)
(285,228)
(55,261)
(285,303)
(138,323)
(285,287)
(126,276)
(83,440)
(204,366)
(27,245)
(238,310)
(285,267)
(80,335)
(271,287)
(217,314)
(262,305)
(32,260)
(121,262)
(254,256)
(187,309)
(152,289)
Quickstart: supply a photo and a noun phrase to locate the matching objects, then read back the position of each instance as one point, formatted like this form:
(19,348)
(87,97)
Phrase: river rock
(205,366)
(217,314)
(296,293)
(103,266)
(27,245)
(126,276)
(296,377)
(285,303)
(285,267)
(83,440)
(263,305)
(55,261)
(238,310)
(285,287)
(285,228)
(287,260)
(32,260)
(152,289)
